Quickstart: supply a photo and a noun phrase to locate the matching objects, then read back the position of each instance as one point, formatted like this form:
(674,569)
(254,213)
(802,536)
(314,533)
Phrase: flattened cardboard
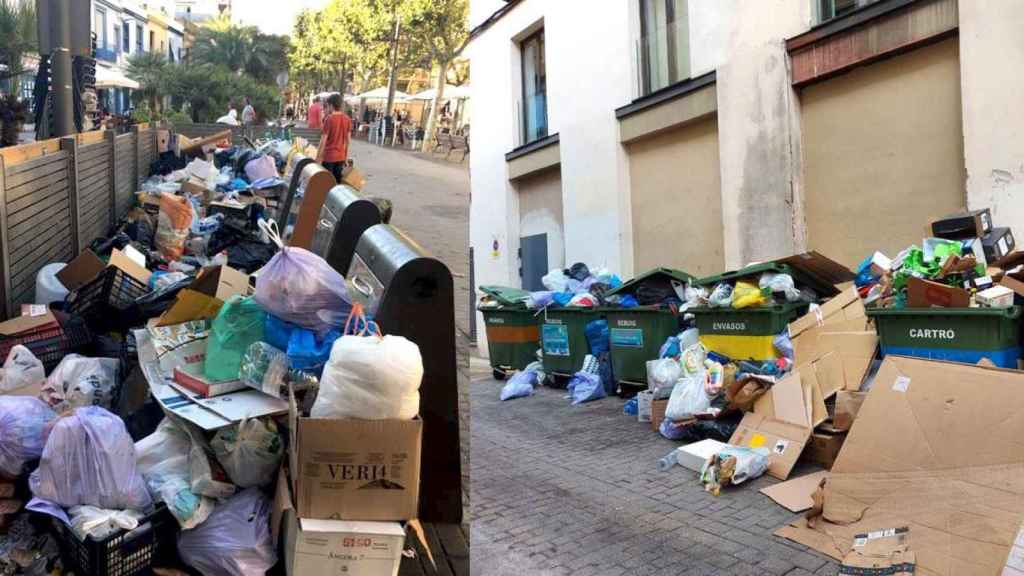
(24,324)
(785,441)
(814,397)
(80,271)
(855,349)
(205,296)
(120,260)
(823,448)
(844,306)
(926,294)
(1013,284)
(822,268)
(795,494)
(347,469)
(848,404)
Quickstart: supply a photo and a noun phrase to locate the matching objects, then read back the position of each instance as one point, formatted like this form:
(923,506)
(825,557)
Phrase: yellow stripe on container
(741,347)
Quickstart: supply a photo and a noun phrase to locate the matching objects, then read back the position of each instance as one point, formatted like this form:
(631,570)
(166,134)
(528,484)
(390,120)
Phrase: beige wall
(883,153)
(676,200)
(540,212)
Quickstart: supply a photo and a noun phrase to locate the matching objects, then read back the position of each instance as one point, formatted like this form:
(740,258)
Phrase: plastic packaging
(260,168)
(90,459)
(583,301)
(238,325)
(714,377)
(688,398)
(747,295)
(264,368)
(780,284)
(173,225)
(585,387)
(100,523)
(250,452)
(306,350)
(522,383)
(24,426)
(721,296)
(373,378)
(555,281)
(208,476)
(692,359)
(48,288)
(733,465)
(631,407)
(79,381)
(665,372)
(669,460)
(783,344)
(162,459)
(670,349)
(295,285)
(598,336)
(21,369)
(234,540)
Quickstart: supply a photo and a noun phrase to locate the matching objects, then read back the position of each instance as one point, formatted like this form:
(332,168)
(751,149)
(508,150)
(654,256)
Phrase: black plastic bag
(385,207)
(151,305)
(166,163)
(104,246)
(720,429)
(578,271)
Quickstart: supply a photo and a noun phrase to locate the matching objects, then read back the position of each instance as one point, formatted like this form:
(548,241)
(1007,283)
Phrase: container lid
(506,295)
(785,308)
(669,273)
(810,269)
(1011,312)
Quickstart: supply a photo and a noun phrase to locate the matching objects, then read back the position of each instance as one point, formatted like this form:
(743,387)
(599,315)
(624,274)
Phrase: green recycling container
(513,337)
(747,333)
(955,334)
(564,338)
(636,336)
(754,271)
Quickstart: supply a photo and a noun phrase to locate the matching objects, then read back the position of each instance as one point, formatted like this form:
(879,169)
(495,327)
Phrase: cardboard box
(353,177)
(962,225)
(693,456)
(329,547)
(998,244)
(180,346)
(781,422)
(163,141)
(823,448)
(658,413)
(205,295)
(87,266)
(643,404)
(926,294)
(848,404)
(347,469)
(995,297)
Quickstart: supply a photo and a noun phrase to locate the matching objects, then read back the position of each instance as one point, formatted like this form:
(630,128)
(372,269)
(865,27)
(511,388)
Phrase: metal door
(533,261)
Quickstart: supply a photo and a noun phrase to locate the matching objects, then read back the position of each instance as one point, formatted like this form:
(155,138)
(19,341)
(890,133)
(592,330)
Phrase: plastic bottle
(668,461)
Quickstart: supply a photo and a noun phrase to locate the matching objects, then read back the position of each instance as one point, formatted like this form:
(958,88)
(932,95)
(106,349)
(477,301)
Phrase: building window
(152,39)
(126,30)
(829,9)
(138,38)
(664,47)
(535,105)
(99,26)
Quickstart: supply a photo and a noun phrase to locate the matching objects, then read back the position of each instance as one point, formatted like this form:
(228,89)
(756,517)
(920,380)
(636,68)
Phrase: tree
(442,27)
(242,49)
(208,90)
(17,37)
(150,70)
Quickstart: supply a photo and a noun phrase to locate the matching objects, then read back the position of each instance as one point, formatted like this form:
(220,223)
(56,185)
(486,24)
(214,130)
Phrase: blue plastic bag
(632,407)
(305,350)
(629,301)
(783,344)
(585,387)
(671,430)
(598,336)
(562,298)
(670,349)
(520,385)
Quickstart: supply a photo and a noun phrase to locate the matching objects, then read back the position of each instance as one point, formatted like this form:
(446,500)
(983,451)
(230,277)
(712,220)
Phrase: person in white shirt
(248,113)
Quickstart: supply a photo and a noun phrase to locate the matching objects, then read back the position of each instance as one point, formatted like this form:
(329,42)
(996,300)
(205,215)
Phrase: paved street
(560,489)
(431,205)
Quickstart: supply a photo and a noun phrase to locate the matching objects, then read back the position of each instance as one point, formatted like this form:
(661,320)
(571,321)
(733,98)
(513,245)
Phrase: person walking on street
(248,113)
(334,140)
(314,117)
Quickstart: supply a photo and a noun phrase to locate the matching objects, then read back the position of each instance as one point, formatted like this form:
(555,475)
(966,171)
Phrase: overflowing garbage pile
(172,386)
(959,267)
(576,286)
(765,289)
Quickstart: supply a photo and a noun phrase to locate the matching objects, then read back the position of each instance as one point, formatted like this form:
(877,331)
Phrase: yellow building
(156,29)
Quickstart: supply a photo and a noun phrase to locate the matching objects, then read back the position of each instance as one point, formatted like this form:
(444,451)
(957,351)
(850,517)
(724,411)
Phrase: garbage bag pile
(765,289)
(153,389)
(576,286)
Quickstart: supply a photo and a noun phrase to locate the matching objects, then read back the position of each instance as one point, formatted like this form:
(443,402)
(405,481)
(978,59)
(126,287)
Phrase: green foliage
(17,36)
(142,113)
(13,114)
(178,117)
(241,49)
(209,90)
(150,70)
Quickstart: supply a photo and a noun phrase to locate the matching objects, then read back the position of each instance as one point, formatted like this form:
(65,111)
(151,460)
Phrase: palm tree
(17,37)
(243,49)
(149,69)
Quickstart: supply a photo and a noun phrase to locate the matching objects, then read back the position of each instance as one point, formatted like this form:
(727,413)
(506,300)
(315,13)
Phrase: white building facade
(706,134)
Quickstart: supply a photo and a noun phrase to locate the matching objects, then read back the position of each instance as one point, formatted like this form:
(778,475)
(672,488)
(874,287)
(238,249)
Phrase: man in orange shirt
(337,131)
(314,117)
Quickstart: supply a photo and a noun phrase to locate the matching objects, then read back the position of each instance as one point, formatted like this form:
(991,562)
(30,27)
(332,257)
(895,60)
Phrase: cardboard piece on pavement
(795,494)
(937,447)
(926,294)
(780,422)
(205,295)
(880,552)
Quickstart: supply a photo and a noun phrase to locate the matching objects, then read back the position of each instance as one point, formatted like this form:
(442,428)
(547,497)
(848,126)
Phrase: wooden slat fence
(57,196)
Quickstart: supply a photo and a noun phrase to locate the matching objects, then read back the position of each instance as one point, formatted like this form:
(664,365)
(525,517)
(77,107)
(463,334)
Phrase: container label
(729,326)
(625,323)
(932,334)
(556,340)
(902,384)
(627,338)
(780,446)
(552,321)
(495,320)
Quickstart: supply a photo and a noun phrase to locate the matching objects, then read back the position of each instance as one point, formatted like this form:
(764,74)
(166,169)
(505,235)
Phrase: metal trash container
(513,330)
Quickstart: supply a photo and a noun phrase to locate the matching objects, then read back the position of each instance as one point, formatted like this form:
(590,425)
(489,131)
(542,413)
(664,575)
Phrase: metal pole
(60,62)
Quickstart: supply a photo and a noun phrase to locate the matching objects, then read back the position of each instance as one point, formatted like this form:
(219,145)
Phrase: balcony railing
(531,119)
(107,53)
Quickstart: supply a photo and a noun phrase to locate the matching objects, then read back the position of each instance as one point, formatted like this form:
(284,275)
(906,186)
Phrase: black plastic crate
(100,301)
(52,343)
(124,553)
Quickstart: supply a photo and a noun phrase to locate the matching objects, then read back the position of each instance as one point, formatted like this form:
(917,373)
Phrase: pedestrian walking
(334,140)
(314,117)
(248,113)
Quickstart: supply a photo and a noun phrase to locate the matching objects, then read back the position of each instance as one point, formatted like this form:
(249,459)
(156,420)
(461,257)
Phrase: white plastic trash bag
(79,381)
(780,284)
(234,540)
(721,296)
(556,281)
(100,523)
(688,398)
(48,288)
(21,369)
(733,465)
(664,372)
(24,423)
(250,453)
(90,459)
(162,459)
(372,378)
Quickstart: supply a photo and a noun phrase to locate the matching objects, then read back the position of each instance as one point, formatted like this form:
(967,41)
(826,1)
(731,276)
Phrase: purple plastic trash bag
(24,424)
(89,459)
(234,540)
(296,285)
